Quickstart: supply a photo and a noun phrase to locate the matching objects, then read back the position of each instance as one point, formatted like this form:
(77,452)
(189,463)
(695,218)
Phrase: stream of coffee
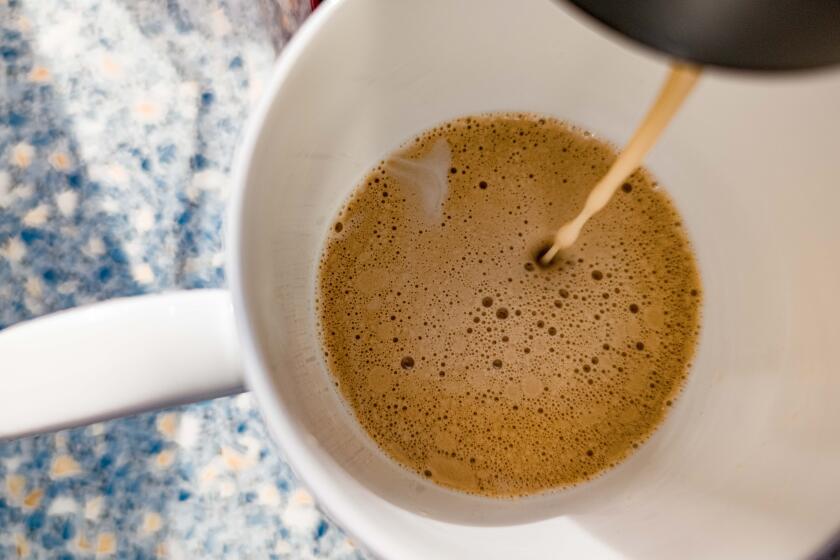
(679,84)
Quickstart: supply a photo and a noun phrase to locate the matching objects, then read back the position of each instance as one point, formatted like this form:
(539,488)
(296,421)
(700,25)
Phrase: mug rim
(288,438)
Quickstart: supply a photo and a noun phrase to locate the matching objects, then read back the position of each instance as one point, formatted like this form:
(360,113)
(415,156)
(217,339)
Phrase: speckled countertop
(118,123)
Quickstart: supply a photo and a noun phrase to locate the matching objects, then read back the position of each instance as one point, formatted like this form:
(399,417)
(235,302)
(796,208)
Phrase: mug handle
(115,358)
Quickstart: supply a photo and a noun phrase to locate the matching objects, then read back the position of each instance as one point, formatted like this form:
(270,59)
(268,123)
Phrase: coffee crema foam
(462,358)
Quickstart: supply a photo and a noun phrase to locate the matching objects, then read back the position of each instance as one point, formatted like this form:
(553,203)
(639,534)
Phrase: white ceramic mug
(748,463)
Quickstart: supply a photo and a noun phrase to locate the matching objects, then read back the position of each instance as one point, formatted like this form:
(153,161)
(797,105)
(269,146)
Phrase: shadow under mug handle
(115,358)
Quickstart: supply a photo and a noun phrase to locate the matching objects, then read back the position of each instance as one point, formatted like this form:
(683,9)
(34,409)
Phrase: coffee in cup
(465,360)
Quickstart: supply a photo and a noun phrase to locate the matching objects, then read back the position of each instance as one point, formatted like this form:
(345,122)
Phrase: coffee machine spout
(768,35)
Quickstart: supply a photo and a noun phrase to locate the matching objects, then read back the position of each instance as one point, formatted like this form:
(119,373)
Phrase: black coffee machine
(770,35)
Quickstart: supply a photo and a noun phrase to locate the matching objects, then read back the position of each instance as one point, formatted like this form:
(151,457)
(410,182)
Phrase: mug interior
(746,464)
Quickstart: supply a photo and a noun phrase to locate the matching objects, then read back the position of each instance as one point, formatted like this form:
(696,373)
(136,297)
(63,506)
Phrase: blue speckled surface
(118,122)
